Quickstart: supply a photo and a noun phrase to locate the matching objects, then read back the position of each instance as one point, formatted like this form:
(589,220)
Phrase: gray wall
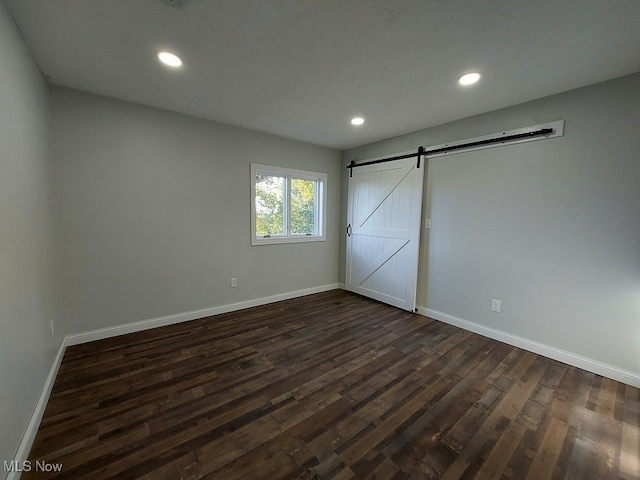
(551,228)
(153,213)
(26,301)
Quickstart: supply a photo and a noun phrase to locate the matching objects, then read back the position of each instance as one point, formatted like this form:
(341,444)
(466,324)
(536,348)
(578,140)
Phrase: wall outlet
(234,282)
(427,223)
(51,325)
(496,305)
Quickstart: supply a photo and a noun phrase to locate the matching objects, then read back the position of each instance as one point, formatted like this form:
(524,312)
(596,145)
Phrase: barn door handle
(349,230)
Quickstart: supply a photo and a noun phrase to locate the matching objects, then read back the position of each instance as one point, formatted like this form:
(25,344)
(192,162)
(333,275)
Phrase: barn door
(383,231)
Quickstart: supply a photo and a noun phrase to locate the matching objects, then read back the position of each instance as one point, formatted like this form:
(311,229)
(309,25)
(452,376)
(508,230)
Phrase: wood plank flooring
(330,386)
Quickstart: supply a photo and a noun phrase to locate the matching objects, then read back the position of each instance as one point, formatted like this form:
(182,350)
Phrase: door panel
(384,217)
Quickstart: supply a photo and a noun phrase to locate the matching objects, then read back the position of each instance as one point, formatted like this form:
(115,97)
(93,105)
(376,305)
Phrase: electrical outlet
(496,305)
(234,282)
(427,223)
(51,325)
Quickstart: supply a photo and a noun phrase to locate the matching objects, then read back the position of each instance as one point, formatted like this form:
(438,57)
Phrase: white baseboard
(588,364)
(30,434)
(342,286)
(109,332)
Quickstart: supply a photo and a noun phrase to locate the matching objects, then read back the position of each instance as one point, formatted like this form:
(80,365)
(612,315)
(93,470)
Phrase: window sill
(276,240)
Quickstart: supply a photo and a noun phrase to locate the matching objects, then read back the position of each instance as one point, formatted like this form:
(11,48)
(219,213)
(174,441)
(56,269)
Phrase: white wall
(551,228)
(153,213)
(26,301)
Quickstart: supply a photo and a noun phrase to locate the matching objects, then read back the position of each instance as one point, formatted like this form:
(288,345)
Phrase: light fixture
(469,78)
(357,121)
(170,59)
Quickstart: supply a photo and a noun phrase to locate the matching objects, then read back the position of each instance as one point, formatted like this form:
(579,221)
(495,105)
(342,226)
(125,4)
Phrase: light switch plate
(496,305)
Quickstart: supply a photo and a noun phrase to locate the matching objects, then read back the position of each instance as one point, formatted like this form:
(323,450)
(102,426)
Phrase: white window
(287,205)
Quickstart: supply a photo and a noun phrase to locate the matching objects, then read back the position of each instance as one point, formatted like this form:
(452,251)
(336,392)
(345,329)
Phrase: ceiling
(302,69)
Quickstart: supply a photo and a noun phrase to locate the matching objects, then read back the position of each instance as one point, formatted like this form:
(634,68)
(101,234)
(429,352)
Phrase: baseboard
(588,364)
(30,434)
(342,286)
(192,315)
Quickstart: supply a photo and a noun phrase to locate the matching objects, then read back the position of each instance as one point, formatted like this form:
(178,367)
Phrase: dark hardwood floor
(334,386)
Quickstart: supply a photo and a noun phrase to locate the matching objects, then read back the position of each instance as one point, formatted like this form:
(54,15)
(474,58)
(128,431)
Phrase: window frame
(320,201)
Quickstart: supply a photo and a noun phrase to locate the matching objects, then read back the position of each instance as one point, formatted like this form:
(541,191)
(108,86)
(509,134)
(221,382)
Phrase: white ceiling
(302,68)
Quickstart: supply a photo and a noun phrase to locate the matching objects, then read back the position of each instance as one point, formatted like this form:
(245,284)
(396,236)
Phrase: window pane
(303,201)
(269,205)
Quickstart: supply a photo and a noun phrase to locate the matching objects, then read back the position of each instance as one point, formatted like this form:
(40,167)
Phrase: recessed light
(469,78)
(170,59)
(357,121)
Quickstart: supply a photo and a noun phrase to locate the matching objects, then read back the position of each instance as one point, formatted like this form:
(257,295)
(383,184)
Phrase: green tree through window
(270,205)
(303,194)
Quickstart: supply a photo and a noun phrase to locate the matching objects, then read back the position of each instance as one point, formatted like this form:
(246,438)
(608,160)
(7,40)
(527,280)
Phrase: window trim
(320,200)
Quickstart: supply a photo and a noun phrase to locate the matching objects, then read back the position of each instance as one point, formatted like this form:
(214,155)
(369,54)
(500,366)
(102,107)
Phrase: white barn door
(383,231)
